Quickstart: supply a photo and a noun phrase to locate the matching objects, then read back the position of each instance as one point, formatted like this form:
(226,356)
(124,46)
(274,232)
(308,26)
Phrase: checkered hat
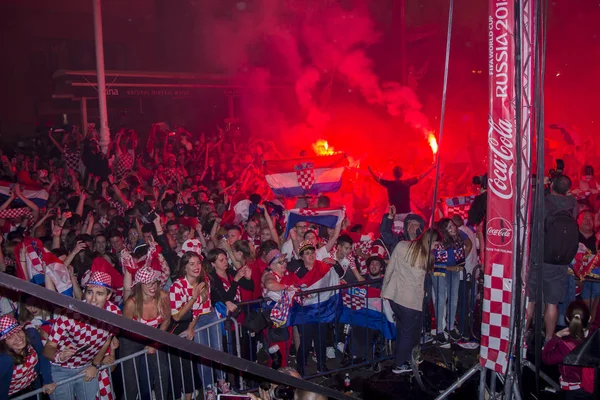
(305,245)
(100,279)
(146,275)
(378,250)
(8,326)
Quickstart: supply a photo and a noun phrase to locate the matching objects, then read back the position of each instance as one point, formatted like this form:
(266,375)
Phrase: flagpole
(104,132)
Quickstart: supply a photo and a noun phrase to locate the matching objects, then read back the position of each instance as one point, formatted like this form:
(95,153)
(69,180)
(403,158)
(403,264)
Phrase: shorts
(554,282)
(591,290)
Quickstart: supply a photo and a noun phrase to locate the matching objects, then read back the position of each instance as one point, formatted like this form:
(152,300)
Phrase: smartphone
(233,397)
(82,349)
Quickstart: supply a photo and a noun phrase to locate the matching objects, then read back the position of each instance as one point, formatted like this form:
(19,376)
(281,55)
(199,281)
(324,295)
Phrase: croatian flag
(364,307)
(329,217)
(38,195)
(317,307)
(40,263)
(305,176)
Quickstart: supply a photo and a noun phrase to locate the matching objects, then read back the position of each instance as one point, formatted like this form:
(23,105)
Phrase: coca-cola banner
(501,201)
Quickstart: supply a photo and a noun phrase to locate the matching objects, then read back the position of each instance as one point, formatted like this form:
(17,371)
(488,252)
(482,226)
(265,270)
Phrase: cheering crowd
(175,233)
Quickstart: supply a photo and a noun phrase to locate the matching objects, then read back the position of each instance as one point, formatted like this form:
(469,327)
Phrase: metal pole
(459,382)
(402,34)
(104,133)
(84,117)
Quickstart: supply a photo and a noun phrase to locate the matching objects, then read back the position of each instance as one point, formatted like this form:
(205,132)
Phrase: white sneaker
(330,353)
(340,346)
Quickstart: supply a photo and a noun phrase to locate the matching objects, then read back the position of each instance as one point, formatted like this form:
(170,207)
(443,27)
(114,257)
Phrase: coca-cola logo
(500,140)
(499,232)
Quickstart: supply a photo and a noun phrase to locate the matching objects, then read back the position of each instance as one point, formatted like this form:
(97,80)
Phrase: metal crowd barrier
(332,334)
(146,375)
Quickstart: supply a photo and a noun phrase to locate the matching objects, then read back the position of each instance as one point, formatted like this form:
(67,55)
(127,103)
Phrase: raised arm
(271,225)
(58,145)
(377,178)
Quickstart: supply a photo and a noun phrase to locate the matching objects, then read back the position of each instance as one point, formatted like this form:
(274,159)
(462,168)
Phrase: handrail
(118,321)
(116,362)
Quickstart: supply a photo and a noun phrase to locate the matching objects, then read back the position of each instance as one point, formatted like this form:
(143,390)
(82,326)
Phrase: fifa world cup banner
(502,201)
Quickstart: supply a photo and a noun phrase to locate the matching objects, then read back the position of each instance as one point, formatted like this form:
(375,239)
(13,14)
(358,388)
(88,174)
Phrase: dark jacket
(390,238)
(7,365)
(218,292)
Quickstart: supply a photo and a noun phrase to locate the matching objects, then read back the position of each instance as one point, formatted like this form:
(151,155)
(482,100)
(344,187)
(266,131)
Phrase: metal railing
(146,375)
(170,341)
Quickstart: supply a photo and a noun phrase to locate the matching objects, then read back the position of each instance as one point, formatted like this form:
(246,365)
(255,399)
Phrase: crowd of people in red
(150,231)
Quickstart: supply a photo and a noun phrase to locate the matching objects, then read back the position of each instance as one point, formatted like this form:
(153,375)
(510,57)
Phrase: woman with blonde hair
(404,287)
(149,305)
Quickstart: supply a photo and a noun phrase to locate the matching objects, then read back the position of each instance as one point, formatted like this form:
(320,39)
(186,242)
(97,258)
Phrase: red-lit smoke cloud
(305,45)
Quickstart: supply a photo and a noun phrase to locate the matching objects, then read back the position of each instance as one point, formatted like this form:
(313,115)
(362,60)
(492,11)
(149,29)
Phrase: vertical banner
(501,200)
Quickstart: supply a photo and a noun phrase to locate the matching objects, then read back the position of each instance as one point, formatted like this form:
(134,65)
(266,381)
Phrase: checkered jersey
(181,292)
(72,329)
(123,164)
(24,374)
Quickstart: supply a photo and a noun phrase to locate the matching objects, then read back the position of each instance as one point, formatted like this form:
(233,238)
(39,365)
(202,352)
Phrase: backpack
(561,239)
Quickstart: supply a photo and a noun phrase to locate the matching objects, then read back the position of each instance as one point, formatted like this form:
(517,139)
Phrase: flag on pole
(305,176)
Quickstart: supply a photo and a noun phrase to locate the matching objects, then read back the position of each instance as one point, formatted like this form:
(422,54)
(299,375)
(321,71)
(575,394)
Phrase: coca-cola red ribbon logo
(499,232)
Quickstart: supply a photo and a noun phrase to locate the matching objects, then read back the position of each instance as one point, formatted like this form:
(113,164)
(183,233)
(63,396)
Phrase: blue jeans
(77,388)
(408,331)
(210,337)
(445,289)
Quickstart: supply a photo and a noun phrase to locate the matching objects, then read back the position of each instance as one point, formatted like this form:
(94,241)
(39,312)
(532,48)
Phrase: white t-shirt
(288,250)
(471,258)
(322,254)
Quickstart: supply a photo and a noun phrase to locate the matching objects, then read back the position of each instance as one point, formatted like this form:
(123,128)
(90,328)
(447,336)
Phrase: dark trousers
(309,334)
(150,372)
(362,342)
(408,328)
(464,307)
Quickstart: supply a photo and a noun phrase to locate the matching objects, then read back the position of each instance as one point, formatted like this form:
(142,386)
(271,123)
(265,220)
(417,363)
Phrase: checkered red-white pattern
(306,178)
(8,326)
(105,391)
(117,297)
(75,330)
(495,324)
(379,251)
(24,374)
(146,276)
(15,213)
(227,286)
(181,292)
(281,309)
(355,298)
(101,279)
(307,212)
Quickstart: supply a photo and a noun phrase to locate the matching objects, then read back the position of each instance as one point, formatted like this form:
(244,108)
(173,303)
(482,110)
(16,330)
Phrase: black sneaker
(454,334)
(442,340)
